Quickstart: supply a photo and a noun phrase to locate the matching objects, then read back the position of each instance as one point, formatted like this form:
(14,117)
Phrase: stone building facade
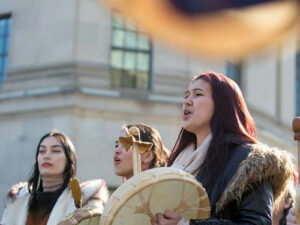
(60,71)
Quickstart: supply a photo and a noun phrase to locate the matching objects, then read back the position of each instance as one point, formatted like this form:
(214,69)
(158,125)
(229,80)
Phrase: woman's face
(52,160)
(198,107)
(123,159)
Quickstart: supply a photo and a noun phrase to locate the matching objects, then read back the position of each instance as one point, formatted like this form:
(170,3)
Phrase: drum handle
(296,128)
(136,159)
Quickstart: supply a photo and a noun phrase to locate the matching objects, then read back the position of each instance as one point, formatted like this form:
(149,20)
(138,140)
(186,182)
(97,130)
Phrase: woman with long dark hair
(217,143)
(46,199)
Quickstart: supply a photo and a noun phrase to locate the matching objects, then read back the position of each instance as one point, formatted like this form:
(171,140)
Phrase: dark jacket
(254,177)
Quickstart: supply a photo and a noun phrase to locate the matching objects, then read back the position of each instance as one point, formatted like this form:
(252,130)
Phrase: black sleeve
(255,209)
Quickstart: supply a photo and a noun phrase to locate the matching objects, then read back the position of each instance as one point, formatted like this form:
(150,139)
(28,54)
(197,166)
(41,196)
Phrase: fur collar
(263,164)
(94,194)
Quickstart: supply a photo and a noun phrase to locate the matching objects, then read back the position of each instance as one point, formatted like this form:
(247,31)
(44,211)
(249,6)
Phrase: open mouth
(117,160)
(186,112)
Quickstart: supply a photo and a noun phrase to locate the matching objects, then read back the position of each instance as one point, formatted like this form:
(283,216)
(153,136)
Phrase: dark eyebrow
(53,146)
(198,89)
(195,89)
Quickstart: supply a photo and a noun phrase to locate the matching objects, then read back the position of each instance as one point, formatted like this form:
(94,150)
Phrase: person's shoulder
(94,189)
(258,150)
(268,164)
(264,152)
(244,148)
(93,185)
(16,191)
(252,165)
(259,155)
(240,152)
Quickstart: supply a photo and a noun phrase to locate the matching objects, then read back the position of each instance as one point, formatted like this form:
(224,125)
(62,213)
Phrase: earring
(39,182)
(144,168)
(123,179)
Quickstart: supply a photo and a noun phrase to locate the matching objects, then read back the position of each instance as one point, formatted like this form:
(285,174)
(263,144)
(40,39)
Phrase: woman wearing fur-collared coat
(244,193)
(46,198)
(94,195)
(218,145)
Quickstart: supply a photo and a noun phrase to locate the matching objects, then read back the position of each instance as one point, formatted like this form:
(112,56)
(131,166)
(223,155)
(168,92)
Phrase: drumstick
(296,128)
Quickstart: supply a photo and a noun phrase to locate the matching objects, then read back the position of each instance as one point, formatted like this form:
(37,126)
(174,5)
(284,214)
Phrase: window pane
(130,55)
(230,71)
(116,77)
(118,38)
(117,21)
(6,45)
(1,68)
(130,40)
(143,61)
(2,26)
(8,25)
(5,65)
(130,25)
(129,61)
(142,80)
(1,45)
(116,59)
(234,71)
(143,42)
(128,79)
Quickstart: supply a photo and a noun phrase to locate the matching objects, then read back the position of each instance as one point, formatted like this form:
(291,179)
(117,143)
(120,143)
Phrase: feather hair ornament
(76,192)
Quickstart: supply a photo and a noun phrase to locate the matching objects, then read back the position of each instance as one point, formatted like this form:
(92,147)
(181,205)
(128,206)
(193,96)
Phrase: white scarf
(189,159)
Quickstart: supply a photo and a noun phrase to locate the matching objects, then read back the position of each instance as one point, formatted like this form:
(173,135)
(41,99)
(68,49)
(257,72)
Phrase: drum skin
(216,33)
(83,216)
(139,199)
(298,207)
(90,221)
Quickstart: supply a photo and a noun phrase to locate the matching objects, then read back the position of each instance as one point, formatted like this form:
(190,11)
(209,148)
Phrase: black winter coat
(245,191)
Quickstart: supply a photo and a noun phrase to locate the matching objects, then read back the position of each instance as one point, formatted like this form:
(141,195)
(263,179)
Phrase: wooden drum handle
(296,129)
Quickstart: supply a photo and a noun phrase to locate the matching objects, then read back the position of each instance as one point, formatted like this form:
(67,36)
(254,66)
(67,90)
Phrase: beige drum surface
(298,206)
(83,216)
(141,197)
(90,221)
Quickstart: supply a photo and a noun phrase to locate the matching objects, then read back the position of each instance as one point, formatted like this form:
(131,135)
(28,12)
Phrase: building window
(234,71)
(5,22)
(297,99)
(130,58)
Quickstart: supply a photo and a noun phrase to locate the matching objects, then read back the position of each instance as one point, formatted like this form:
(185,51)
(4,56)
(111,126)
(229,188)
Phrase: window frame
(5,43)
(126,27)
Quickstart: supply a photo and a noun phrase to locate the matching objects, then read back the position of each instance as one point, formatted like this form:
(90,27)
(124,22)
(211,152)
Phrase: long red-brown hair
(231,123)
